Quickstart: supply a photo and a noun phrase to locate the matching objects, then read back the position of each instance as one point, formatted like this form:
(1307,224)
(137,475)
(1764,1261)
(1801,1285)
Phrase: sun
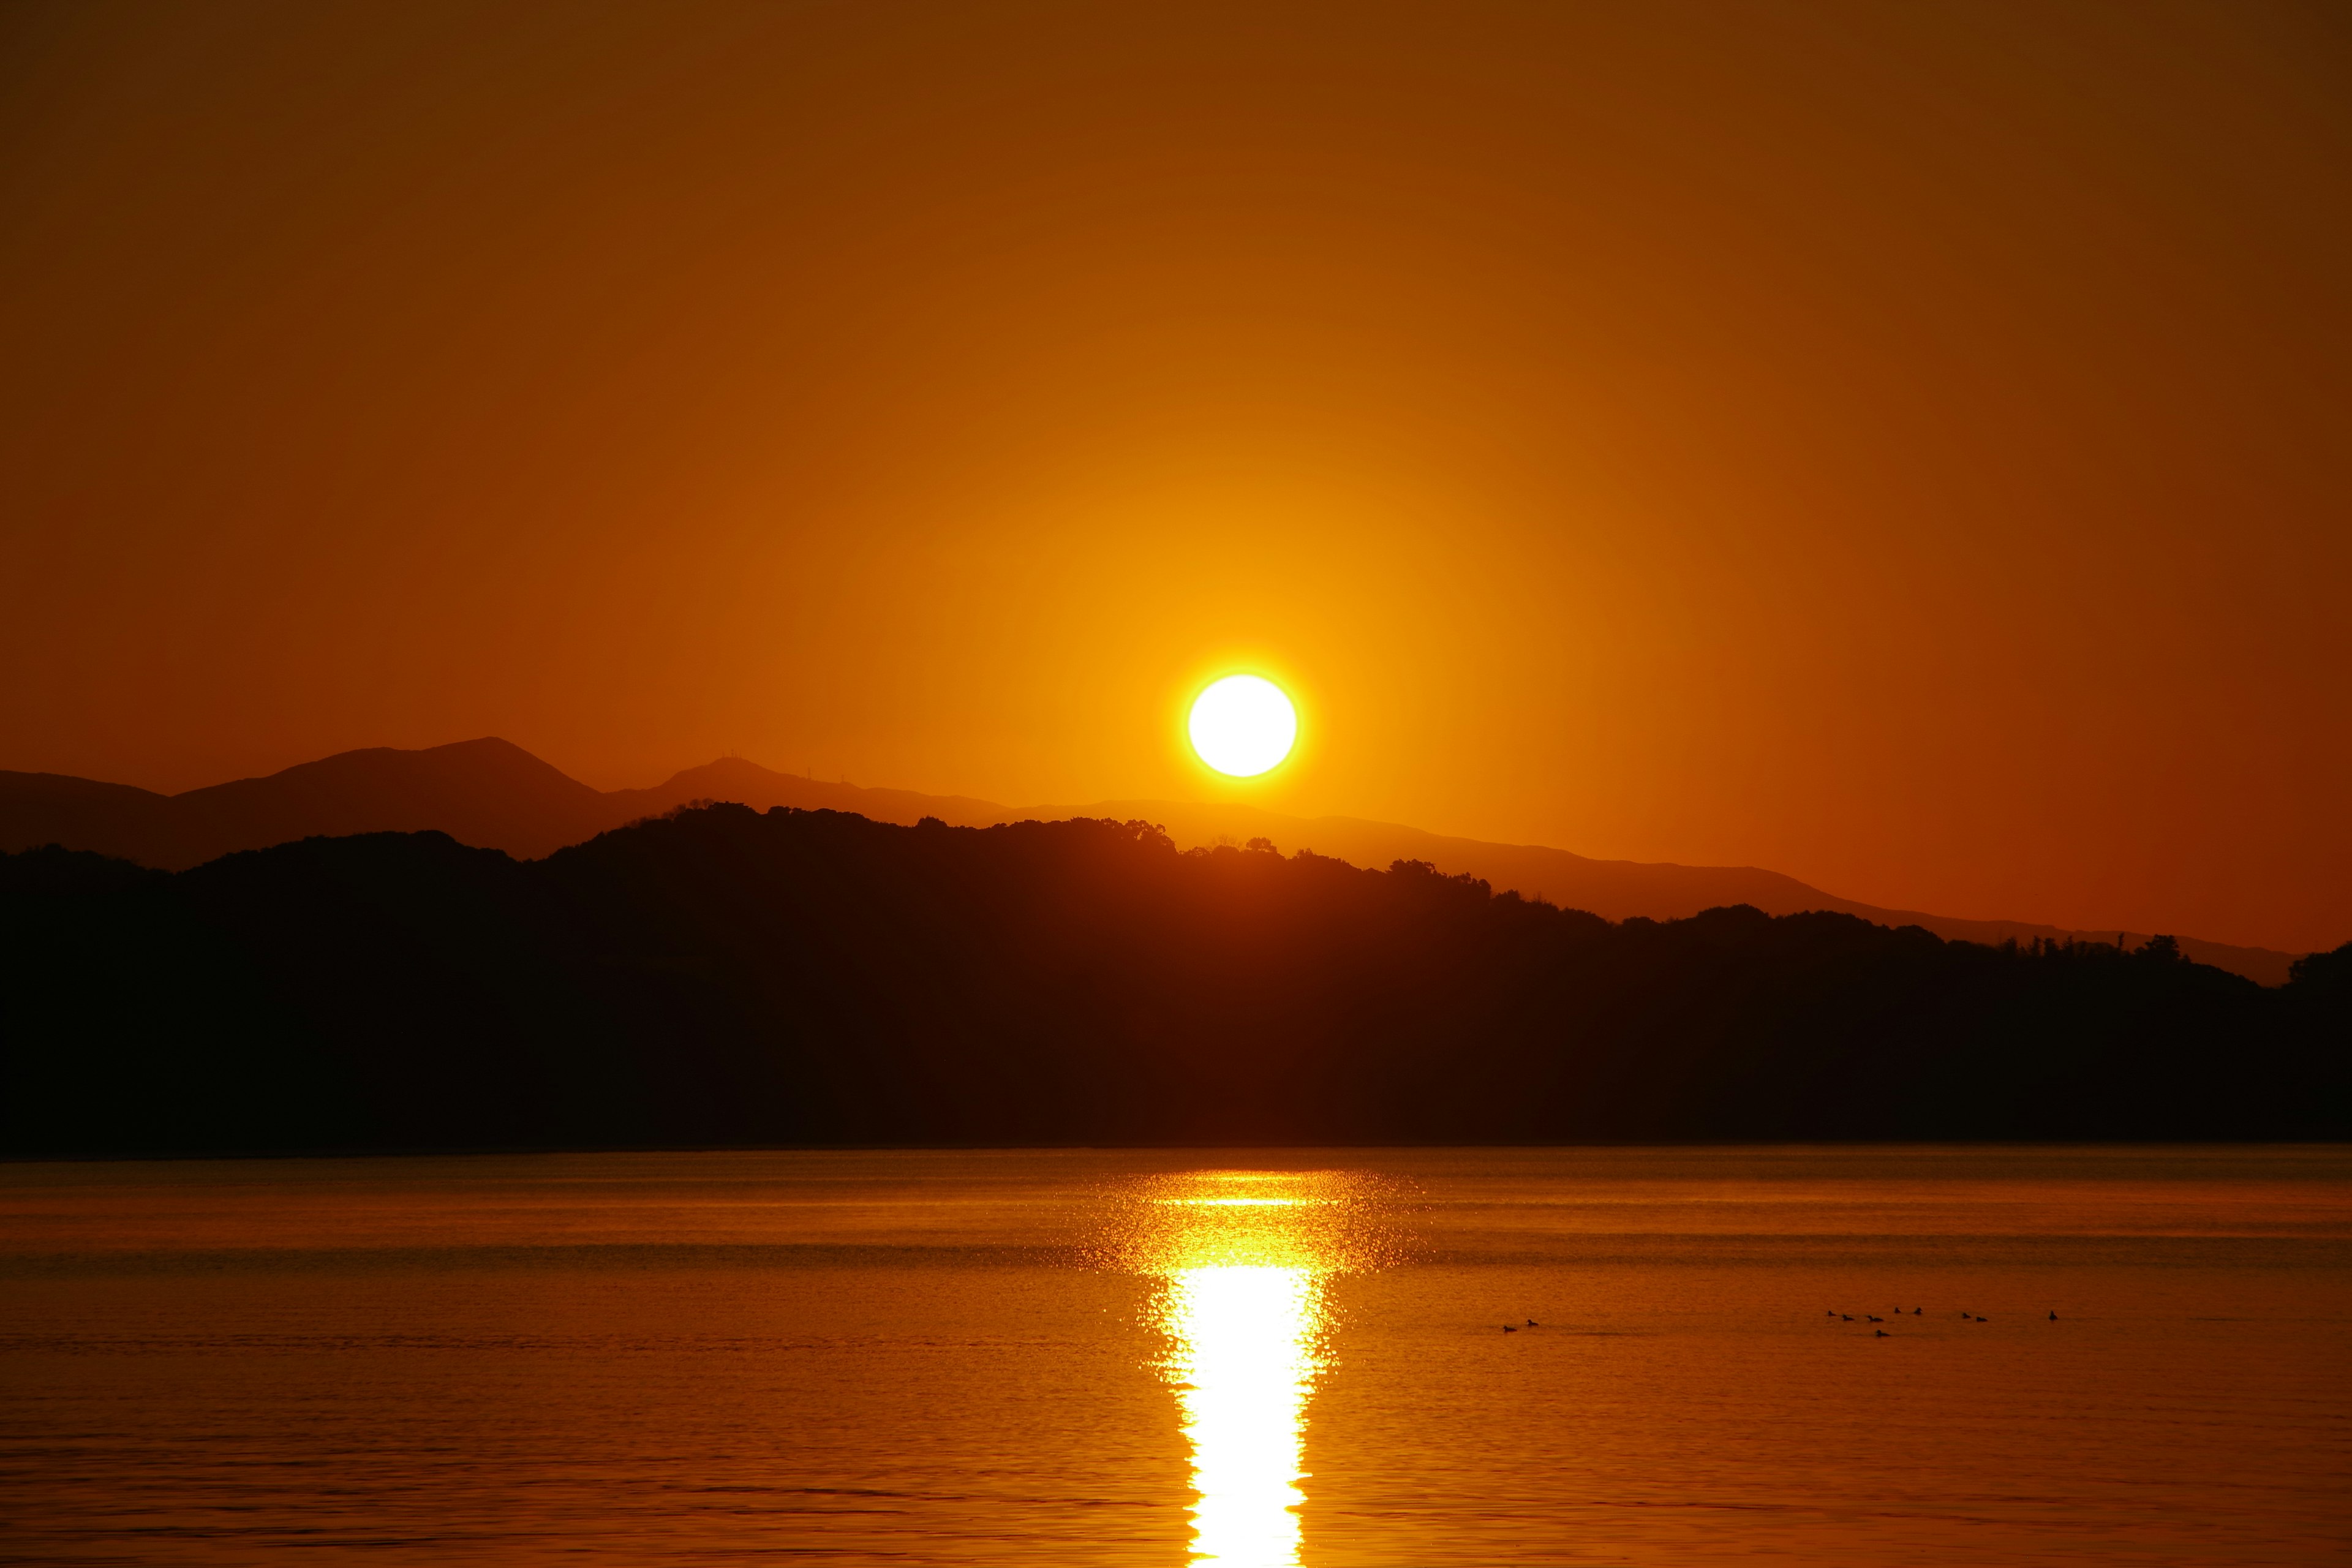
(1243,725)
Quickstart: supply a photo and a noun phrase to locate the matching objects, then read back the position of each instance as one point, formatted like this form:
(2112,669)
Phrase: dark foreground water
(1249,1358)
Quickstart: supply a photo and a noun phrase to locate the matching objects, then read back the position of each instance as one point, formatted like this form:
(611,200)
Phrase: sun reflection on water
(1246,1259)
(1245,1358)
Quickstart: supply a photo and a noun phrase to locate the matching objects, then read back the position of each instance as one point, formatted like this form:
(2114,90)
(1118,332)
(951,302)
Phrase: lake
(1247,1357)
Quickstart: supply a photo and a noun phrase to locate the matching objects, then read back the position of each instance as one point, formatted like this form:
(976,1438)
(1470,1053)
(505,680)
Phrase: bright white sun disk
(1243,725)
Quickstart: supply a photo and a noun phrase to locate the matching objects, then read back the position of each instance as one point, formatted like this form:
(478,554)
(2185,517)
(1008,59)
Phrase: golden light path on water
(1248,1258)
(1244,1361)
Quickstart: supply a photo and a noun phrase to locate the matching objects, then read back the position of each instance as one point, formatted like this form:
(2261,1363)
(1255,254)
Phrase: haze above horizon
(1901,450)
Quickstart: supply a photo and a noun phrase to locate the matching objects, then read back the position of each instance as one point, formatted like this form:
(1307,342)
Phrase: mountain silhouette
(1614,890)
(719,976)
(489,793)
(493,795)
(748,783)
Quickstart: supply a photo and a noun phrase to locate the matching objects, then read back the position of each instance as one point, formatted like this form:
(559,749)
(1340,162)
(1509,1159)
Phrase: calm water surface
(1248,1358)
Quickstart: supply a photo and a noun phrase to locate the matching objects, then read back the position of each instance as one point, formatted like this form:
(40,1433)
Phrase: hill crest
(492,793)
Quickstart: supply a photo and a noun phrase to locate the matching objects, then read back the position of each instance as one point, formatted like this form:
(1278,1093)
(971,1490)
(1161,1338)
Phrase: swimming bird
(1873,1319)
(1533,1324)
(1509,1329)
(2054,1317)
(1918,1310)
(1882,1333)
(1845,1317)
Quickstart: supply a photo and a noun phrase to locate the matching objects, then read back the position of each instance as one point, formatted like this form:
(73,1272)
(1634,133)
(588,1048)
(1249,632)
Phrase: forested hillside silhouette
(719,976)
(495,795)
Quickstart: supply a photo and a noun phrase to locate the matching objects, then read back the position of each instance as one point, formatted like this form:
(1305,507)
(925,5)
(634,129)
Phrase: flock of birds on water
(1966,1317)
(1843,1318)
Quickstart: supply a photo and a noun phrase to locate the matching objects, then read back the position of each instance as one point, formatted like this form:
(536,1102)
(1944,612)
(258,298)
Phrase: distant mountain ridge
(487,792)
(494,794)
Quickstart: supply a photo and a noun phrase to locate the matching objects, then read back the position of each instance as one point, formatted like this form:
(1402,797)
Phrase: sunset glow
(1671,444)
(1236,786)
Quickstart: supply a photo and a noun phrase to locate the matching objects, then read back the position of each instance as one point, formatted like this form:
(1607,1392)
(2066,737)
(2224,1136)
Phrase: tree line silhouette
(719,976)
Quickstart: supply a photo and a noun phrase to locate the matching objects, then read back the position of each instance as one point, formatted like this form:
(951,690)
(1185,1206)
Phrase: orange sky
(1904,447)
